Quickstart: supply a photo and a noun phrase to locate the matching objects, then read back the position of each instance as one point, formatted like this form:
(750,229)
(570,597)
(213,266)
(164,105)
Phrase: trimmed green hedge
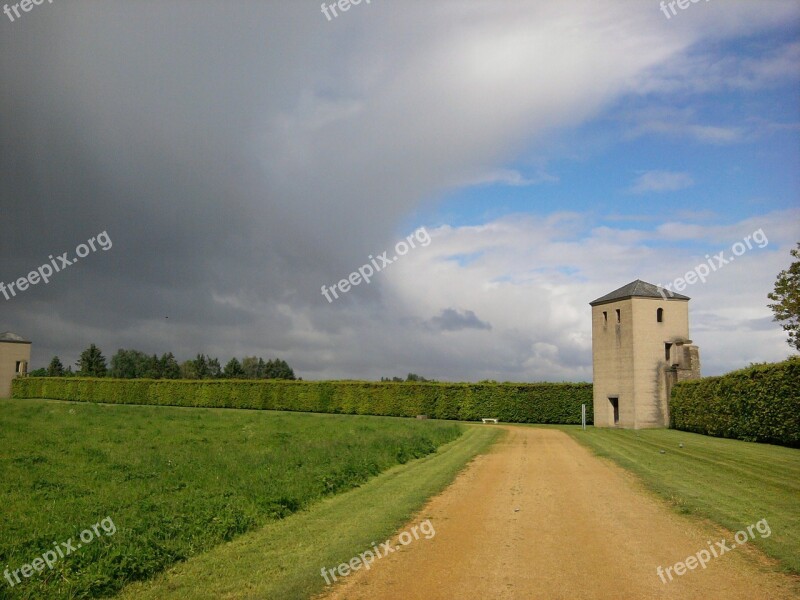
(509,402)
(757,404)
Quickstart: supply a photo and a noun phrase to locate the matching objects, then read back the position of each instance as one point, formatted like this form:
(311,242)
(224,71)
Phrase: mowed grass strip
(733,483)
(282,561)
(175,481)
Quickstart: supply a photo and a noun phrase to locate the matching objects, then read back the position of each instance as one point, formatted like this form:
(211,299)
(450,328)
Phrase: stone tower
(15,354)
(640,348)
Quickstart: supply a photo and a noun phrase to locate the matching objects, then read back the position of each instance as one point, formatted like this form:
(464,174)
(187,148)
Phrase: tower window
(660,315)
(617,315)
(605,317)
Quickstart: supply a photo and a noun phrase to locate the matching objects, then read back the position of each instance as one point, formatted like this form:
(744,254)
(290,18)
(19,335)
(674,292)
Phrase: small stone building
(15,355)
(640,348)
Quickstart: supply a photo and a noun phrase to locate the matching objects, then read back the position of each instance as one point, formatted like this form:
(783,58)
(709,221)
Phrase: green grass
(175,481)
(282,561)
(730,482)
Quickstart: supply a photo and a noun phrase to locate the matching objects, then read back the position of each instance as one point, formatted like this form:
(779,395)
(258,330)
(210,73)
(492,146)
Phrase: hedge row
(512,403)
(757,404)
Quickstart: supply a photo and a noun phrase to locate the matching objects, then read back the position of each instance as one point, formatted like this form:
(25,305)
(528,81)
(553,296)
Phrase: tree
(133,364)
(410,377)
(214,369)
(151,368)
(233,370)
(786,298)
(415,377)
(55,369)
(187,370)
(169,367)
(201,367)
(250,367)
(278,369)
(124,364)
(38,373)
(92,363)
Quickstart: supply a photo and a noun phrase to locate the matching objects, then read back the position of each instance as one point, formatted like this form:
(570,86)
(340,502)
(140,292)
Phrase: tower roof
(639,289)
(13,338)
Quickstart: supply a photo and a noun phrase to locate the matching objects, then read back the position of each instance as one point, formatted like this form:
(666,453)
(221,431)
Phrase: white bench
(490,421)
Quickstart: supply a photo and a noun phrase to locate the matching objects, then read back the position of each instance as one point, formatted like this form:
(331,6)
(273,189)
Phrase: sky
(238,159)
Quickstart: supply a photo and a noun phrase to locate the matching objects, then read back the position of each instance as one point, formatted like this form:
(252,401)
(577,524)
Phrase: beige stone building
(640,348)
(15,355)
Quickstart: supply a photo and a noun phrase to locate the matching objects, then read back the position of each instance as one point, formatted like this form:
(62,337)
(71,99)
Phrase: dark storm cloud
(143,120)
(454,320)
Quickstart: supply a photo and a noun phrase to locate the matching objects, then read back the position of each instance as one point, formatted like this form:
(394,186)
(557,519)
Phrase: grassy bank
(283,559)
(731,482)
(176,482)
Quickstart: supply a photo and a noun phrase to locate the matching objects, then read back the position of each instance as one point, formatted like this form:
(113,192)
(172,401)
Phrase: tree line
(410,377)
(133,364)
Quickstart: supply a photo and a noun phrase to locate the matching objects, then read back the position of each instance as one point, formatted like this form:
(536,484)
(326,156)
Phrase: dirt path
(541,517)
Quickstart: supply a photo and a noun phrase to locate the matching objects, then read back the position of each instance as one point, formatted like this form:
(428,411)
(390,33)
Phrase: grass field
(733,483)
(176,482)
(283,559)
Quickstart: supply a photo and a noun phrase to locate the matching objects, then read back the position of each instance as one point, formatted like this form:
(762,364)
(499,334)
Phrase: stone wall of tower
(613,363)
(689,367)
(651,339)
(12,353)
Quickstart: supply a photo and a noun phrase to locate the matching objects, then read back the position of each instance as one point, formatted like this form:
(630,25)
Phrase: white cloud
(670,122)
(708,72)
(661,181)
(508,177)
(533,278)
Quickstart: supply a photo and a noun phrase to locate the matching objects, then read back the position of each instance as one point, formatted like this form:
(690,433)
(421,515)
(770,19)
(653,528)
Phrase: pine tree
(92,363)
(201,367)
(214,368)
(278,369)
(169,367)
(233,370)
(55,369)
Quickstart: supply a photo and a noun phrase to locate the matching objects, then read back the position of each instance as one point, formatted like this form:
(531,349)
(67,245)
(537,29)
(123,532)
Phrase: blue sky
(747,164)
